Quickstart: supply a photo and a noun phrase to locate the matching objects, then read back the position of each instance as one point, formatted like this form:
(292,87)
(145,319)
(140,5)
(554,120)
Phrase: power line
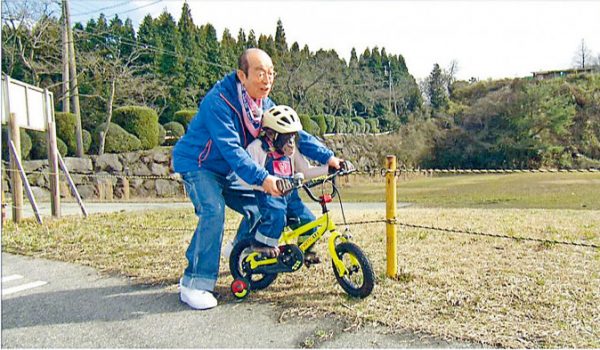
(119,12)
(137,8)
(100,9)
(152,48)
(133,43)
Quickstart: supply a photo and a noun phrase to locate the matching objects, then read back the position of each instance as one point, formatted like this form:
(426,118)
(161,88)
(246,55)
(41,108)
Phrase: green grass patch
(527,190)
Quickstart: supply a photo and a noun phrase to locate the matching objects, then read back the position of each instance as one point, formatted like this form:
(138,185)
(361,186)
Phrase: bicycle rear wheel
(236,265)
(360,279)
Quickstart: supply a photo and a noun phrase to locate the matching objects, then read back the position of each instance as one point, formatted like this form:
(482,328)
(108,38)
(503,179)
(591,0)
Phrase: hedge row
(135,128)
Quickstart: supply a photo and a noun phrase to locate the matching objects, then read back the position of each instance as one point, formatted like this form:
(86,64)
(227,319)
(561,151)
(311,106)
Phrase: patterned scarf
(251,109)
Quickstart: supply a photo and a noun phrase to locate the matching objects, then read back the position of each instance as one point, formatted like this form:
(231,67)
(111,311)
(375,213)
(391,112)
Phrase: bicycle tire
(256,281)
(357,290)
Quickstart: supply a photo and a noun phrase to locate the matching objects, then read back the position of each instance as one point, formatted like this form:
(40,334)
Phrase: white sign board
(29,104)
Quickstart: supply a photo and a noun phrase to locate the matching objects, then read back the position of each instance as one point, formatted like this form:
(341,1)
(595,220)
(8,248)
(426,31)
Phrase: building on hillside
(549,74)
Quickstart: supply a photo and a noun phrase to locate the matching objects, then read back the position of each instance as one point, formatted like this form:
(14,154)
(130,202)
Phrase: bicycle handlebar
(285,185)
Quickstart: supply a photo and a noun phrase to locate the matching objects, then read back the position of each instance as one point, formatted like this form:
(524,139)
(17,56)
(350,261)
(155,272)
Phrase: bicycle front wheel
(360,279)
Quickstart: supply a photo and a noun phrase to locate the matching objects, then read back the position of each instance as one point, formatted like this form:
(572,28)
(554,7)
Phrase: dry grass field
(491,291)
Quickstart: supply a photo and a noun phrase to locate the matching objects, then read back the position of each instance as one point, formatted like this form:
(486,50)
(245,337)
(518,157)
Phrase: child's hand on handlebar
(334,162)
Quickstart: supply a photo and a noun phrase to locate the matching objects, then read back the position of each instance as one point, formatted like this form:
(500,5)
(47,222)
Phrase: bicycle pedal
(311,259)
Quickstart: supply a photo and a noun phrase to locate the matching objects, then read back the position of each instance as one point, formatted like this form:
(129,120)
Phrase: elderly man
(212,154)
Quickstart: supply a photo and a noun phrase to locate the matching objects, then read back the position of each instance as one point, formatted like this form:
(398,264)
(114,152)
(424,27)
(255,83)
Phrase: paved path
(77,307)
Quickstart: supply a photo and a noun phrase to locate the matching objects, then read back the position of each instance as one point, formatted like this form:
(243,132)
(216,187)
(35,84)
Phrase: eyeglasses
(262,75)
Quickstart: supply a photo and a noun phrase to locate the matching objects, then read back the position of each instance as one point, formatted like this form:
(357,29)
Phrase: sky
(488,39)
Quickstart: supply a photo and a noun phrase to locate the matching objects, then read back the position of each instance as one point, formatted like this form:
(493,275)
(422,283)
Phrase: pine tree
(280,42)
(147,36)
(210,54)
(229,52)
(251,39)
(170,64)
(192,67)
(436,91)
(241,41)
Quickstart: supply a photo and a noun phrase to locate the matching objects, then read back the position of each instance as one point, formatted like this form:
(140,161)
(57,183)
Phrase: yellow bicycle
(352,269)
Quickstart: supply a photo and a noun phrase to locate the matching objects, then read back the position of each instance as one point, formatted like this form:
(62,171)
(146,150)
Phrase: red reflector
(326,198)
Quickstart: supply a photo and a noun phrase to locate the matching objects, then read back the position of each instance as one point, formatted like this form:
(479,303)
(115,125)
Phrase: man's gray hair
(243,64)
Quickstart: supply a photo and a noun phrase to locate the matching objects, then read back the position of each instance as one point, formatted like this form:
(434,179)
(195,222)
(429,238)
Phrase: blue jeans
(210,192)
(274,212)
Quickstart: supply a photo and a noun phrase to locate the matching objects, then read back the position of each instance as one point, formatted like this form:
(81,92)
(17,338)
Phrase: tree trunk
(109,109)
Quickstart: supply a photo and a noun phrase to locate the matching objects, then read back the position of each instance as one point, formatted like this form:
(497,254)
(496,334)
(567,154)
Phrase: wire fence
(373,172)
(397,223)
(376,172)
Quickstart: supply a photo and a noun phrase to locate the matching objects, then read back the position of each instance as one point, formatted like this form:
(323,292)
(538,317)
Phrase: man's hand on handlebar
(334,162)
(270,185)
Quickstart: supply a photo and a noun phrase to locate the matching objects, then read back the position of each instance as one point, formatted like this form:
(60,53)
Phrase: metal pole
(71,183)
(390,215)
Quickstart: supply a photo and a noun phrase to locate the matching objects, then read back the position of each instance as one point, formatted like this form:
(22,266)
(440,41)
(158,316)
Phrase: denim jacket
(216,138)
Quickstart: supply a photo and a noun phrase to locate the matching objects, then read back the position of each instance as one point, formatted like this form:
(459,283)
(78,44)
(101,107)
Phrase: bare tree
(450,75)
(117,77)
(583,56)
(30,38)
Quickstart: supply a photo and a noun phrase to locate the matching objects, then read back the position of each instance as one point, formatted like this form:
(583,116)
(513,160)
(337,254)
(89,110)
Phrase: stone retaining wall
(146,174)
(110,176)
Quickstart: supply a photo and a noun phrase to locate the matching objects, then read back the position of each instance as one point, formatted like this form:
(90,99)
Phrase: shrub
(367,128)
(39,148)
(360,122)
(87,140)
(340,125)
(174,132)
(374,127)
(62,147)
(309,125)
(330,121)
(25,144)
(184,117)
(65,130)
(117,140)
(39,144)
(142,122)
(162,133)
(320,121)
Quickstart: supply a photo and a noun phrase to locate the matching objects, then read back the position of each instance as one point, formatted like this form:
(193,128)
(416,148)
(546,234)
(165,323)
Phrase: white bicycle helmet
(281,119)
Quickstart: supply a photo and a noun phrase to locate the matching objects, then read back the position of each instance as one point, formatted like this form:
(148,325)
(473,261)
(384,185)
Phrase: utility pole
(73,81)
(392,93)
(66,103)
(388,72)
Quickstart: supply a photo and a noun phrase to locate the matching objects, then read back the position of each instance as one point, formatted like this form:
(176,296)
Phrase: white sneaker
(197,299)
(227,248)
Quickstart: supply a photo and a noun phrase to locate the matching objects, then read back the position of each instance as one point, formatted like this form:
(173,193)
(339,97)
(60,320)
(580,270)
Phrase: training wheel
(239,288)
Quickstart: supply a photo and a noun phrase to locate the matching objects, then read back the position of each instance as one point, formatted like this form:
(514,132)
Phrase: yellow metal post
(390,215)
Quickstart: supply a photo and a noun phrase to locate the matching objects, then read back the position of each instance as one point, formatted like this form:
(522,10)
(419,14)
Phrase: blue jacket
(216,138)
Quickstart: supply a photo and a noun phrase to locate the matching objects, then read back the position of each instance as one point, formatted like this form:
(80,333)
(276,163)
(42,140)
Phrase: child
(275,149)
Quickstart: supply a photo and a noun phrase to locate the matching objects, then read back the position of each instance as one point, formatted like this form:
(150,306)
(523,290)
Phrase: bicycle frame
(322,224)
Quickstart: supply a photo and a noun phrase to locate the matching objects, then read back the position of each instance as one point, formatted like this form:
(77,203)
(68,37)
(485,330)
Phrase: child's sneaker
(265,250)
